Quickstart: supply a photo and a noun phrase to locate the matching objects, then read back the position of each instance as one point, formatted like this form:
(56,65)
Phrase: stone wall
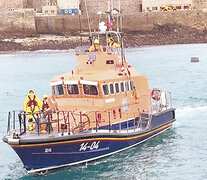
(11,4)
(200,4)
(135,22)
(24,22)
(36,4)
(17,22)
(147,21)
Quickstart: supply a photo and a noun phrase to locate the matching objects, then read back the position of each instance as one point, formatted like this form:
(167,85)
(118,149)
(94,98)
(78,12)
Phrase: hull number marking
(92,146)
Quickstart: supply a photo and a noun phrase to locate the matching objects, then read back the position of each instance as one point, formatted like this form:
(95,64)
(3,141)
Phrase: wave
(176,124)
(188,111)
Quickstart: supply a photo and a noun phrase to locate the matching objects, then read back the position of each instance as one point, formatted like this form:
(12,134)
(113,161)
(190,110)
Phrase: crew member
(32,105)
(96,47)
(111,43)
(45,105)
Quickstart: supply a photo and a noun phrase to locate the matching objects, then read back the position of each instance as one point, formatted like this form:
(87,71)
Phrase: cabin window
(126,86)
(72,89)
(117,88)
(105,89)
(131,85)
(58,90)
(90,89)
(111,86)
(110,62)
(122,86)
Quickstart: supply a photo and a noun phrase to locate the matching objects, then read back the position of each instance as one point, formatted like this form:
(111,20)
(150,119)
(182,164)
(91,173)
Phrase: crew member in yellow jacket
(96,47)
(111,43)
(32,105)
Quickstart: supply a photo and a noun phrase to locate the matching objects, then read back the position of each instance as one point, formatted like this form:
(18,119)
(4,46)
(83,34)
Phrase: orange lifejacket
(110,44)
(45,105)
(96,48)
(32,102)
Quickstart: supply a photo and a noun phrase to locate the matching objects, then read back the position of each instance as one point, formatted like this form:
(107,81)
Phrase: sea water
(179,153)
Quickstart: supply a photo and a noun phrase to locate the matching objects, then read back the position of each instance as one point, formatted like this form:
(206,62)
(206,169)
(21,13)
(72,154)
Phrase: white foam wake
(188,111)
(176,124)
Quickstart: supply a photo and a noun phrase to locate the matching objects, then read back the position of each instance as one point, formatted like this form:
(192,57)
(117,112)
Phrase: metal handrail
(71,121)
(107,49)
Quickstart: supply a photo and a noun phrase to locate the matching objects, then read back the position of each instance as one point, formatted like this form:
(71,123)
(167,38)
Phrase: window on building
(72,89)
(58,90)
(105,89)
(111,86)
(154,8)
(178,7)
(46,11)
(131,85)
(122,86)
(52,11)
(186,7)
(117,88)
(126,84)
(90,89)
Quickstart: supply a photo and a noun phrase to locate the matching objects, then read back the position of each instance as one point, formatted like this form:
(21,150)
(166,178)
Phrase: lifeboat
(104,106)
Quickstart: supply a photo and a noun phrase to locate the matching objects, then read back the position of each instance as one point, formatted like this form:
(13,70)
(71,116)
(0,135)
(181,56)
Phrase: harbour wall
(136,22)
(25,22)
(17,23)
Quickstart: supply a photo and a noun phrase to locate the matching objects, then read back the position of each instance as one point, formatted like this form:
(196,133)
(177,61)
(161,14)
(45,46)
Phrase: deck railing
(106,49)
(71,122)
(164,102)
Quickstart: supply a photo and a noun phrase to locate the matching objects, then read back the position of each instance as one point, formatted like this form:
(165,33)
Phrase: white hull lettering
(92,146)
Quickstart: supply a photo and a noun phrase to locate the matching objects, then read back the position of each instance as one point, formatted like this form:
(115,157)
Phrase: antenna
(80,27)
(89,24)
(108,10)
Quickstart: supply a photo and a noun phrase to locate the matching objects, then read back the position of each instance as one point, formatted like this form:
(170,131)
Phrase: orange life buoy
(155,94)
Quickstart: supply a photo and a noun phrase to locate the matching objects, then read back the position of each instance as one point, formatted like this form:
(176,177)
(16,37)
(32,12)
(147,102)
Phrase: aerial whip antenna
(89,24)
(80,27)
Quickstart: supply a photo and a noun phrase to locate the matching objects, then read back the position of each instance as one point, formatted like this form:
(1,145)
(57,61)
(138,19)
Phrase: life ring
(155,94)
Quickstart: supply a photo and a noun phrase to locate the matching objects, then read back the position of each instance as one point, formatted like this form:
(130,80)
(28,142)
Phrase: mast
(80,26)
(89,23)
(111,11)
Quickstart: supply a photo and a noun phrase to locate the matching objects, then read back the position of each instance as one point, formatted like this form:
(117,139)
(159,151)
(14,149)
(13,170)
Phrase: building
(69,7)
(51,8)
(68,4)
(166,5)
(127,7)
